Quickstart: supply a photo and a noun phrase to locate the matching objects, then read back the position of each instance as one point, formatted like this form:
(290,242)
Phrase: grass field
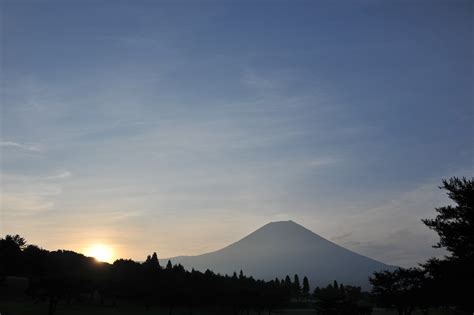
(22,306)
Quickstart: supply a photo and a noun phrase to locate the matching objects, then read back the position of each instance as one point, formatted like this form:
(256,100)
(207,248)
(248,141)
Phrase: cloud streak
(60,175)
(24,146)
(393,232)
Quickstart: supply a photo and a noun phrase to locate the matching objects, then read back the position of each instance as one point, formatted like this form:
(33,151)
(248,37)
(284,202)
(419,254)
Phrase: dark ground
(26,306)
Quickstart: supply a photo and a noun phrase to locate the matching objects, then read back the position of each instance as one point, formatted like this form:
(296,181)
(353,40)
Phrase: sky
(181,126)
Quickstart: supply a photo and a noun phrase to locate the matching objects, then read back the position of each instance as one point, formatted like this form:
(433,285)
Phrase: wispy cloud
(323,161)
(393,232)
(24,204)
(252,80)
(60,175)
(25,146)
(341,237)
(23,195)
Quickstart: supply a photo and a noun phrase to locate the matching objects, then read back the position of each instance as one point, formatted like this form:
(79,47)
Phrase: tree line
(71,277)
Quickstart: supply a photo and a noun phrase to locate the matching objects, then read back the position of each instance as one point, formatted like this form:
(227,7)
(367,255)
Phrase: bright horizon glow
(100,252)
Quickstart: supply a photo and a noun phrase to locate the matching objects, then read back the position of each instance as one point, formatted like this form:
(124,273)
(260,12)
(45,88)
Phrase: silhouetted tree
(18,240)
(68,276)
(455,223)
(10,255)
(341,300)
(296,285)
(455,227)
(287,285)
(152,261)
(306,288)
(277,281)
(401,289)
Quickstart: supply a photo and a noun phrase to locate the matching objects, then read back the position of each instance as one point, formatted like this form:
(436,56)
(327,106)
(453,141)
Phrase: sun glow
(100,252)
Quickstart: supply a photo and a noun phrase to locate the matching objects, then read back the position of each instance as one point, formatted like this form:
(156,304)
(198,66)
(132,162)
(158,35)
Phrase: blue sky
(190,124)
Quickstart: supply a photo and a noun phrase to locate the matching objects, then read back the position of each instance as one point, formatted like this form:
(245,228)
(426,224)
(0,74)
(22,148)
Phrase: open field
(28,307)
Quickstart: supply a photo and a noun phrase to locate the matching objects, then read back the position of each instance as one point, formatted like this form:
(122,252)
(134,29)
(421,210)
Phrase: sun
(100,252)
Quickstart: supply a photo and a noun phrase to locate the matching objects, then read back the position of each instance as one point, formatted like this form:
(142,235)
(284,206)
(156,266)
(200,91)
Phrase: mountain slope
(285,248)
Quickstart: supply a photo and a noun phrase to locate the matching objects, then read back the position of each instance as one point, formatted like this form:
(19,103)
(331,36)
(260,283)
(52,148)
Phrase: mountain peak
(282,222)
(281,248)
(279,234)
(285,227)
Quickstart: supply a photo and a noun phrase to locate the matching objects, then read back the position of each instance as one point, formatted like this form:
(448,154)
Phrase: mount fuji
(285,248)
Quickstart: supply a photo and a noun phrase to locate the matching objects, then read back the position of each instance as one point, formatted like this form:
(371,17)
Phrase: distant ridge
(284,248)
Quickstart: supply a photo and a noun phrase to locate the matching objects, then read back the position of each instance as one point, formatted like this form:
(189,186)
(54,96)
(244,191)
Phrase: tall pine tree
(306,288)
(296,285)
